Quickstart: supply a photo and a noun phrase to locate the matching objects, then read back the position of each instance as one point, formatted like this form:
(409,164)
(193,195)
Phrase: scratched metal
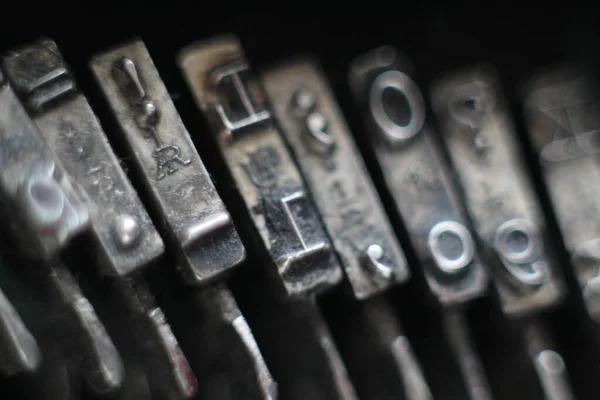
(120,223)
(172,170)
(500,198)
(167,366)
(563,116)
(225,316)
(44,208)
(270,184)
(102,367)
(351,210)
(20,351)
(417,175)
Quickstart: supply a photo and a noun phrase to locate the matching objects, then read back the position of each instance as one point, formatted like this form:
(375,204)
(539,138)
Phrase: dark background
(438,38)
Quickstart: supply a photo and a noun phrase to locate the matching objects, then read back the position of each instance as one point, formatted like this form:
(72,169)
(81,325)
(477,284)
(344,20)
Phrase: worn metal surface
(563,117)
(19,349)
(415,386)
(549,364)
(224,316)
(44,208)
(101,364)
(165,363)
(180,186)
(271,186)
(499,194)
(195,216)
(126,236)
(417,175)
(457,329)
(306,111)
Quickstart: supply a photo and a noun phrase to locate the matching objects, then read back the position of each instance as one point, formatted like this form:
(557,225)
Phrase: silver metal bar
(563,121)
(20,351)
(188,202)
(166,365)
(310,120)
(458,332)
(549,365)
(126,237)
(225,314)
(270,184)
(279,206)
(416,174)
(170,166)
(506,213)
(103,368)
(414,383)
(45,209)
(120,223)
(53,214)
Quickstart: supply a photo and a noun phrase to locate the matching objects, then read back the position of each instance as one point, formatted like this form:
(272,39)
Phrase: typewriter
(315,204)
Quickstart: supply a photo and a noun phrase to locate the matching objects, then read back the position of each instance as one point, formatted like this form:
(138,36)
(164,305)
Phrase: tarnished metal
(52,213)
(549,365)
(417,175)
(261,165)
(194,215)
(166,364)
(20,351)
(415,386)
(499,195)
(126,236)
(564,125)
(102,367)
(44,208)
(120,223)
(310,120)
(458,332)
(181,188)
(225,316)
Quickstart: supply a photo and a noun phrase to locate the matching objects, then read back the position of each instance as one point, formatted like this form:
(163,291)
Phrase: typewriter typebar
(51,211)
(561,109)
(549,364)
(46,208)
(268,179)
(480,138)
(21,352)
(195,217)
(171,168)
(74,133)
(310,120)
(281,210)
(120,222)
(417,176)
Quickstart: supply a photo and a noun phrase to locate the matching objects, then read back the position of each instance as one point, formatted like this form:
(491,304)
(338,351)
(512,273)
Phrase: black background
(516,39)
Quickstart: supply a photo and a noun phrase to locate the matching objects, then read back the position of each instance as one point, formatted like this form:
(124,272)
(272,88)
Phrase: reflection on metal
(195,216)
(500,198)
(20,351)
(549,365)
(310,120)
(45,209)
(225,316)
(562,115)
(457,329)
(102,366)
(416,173)
(196,219)
(270,184)
(415,386)
(126,236)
